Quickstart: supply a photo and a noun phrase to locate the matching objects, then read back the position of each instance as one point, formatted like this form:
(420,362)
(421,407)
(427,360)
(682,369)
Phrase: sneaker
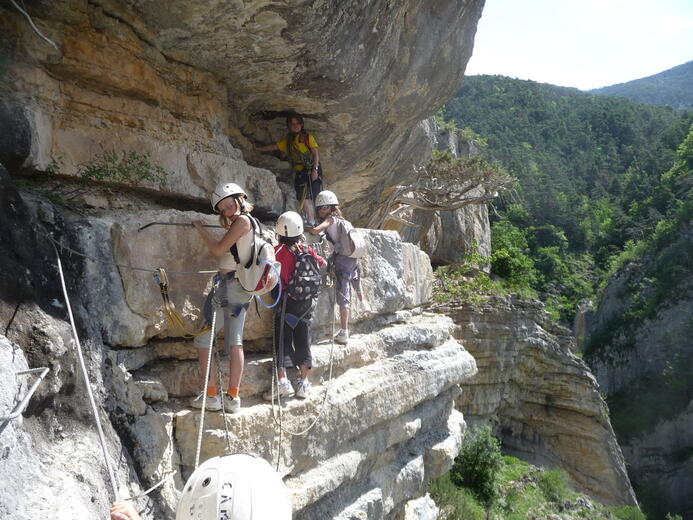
(231,404)
(284,388)
(342,337)
(303,389)
(213,403)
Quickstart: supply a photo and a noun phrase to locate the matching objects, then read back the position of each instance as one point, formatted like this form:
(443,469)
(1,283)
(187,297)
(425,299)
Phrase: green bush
(628,513)
(455,503)
(478,464)
(553,485)
(129,168)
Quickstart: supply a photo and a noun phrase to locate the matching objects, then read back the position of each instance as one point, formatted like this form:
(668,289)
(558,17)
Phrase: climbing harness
(86,378)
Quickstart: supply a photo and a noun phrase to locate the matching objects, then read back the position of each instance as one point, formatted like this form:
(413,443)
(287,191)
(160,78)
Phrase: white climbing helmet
(326,198)
(234,487)
(289,224)
(223,190)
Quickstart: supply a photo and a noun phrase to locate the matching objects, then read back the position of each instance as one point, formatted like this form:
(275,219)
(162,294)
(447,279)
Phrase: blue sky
(584,44)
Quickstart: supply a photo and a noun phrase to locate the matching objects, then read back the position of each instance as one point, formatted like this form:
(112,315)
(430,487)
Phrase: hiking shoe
(213,403)
(232,404)
(303,389)
(342,337)
(284,388)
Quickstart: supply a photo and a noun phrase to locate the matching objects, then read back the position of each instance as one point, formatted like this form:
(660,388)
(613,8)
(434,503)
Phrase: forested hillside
(585,164)
(672,88)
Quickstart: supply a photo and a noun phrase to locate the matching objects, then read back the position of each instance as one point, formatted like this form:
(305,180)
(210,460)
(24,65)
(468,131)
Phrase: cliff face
(383,407)
(541,400)
(185,81)
(645,369)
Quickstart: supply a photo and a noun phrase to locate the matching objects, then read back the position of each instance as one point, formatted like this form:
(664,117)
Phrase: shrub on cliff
(478,464)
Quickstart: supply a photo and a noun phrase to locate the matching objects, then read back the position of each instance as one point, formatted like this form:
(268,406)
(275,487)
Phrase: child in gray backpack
(346,268)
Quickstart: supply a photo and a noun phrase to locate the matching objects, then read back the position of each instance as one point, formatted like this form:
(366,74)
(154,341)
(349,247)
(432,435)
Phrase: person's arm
(321,261)
(124,510)
(240,227)
(321,227)
(316,162)
(267,148)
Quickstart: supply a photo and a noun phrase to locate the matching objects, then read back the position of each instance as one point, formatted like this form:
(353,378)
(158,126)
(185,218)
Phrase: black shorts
(301,184)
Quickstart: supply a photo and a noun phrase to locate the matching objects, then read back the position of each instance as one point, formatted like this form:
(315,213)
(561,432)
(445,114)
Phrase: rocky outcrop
(541,400)
(446,236)
(185,82)
(383,405)
(644,366)
(660,462)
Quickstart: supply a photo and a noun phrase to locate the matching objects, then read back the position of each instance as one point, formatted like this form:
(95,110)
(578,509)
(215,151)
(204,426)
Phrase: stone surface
(542,401)
(129,305)
(203,83)
(446,236)
(659,455)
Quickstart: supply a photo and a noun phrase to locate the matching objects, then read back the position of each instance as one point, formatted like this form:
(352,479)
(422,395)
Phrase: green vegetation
(586,166)
(673,88)
(129,168)
(478,464)
(483,484)
(468,283)
(663,256)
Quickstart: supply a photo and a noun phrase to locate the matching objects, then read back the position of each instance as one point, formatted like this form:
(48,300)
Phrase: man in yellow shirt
(302,151)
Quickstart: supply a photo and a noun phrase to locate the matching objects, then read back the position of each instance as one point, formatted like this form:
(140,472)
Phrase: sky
(584,44)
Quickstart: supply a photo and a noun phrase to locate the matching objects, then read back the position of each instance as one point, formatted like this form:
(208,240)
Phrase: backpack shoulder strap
(234,248)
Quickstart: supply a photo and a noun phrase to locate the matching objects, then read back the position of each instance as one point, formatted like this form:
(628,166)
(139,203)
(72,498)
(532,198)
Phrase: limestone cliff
(385,422)
(185,81)
(541,400)
(644,367)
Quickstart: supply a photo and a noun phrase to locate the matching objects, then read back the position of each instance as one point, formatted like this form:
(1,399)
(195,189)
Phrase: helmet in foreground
(289,224)
(234,487)
(326,198)
(223,190)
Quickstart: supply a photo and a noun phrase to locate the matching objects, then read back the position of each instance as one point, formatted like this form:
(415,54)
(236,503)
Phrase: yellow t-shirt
(297,159)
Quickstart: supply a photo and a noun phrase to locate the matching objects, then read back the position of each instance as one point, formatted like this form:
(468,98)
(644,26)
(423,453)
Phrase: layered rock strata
(541,400)
(194,85)
(386,422)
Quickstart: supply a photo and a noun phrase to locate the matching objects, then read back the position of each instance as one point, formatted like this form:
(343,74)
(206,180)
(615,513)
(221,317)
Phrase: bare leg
(202,355)
(310,211)
(344,317)
(282,372)
(304,371)
(236,360)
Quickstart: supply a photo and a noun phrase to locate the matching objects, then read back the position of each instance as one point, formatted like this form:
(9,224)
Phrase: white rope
(279,422)
(204,390)
(167,476)
(86,379)
(31,22)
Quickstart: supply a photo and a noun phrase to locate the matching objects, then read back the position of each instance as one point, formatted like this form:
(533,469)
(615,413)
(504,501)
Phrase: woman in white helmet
(232,487)
(346,268)
(227,298)
(300,284)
